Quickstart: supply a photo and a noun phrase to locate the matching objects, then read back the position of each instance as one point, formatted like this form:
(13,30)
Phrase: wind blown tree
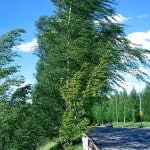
(82,56)
(19,128)
(7,81)
(7,55)
(22,94)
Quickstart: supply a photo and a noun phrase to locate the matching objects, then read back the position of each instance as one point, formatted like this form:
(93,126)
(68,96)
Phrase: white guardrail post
(88,143)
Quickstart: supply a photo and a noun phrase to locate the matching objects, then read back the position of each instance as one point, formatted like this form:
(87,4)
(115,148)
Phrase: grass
(47,146)
(78,147)
(131,124)
(50,144)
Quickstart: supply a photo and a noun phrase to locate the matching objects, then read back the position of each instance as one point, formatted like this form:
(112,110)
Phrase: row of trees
(82,55)
(123,107)
(19,128)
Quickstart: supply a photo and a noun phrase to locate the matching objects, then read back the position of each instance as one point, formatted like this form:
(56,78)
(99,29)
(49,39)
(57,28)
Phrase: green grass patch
(76,147)
(49,145)
(131,124)
(55,144)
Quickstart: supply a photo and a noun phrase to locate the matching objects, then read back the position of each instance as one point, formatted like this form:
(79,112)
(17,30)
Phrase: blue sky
(135,14)
(23,14)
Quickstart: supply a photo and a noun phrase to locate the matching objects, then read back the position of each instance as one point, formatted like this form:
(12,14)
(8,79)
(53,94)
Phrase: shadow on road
(121,138)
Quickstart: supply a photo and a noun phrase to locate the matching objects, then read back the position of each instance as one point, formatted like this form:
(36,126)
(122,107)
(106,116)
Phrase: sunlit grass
(77,147)
(131,124)
(51,144)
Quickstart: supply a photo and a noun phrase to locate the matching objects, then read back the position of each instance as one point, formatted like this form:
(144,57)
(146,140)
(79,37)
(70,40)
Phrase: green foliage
(146,103)
(135,105)
(82,55)
(22,94)
(131,124)
(75,119)
(126,106)
(7,55)
(56,144)
(99,112)
(18,126)
(73,126)
(48,107)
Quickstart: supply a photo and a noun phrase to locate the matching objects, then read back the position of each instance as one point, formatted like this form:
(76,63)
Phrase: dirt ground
(121,138)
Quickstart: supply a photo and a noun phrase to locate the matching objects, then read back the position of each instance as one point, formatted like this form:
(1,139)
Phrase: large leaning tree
(82,56)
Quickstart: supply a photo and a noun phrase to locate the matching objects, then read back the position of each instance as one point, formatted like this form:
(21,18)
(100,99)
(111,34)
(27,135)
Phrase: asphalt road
(121,138)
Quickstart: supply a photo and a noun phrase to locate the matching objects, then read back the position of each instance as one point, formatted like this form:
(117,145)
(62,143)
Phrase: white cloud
(137,85)
(131,83)
(118,18)
(142,39)
(27,47)
(114,19)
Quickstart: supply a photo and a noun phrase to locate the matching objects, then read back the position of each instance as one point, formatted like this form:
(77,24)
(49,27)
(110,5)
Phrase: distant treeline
(123,107)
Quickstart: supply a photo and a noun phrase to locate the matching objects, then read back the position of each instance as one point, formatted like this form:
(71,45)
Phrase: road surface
(121,138)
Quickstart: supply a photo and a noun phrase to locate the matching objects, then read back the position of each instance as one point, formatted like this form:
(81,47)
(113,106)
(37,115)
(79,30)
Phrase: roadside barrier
(88,143)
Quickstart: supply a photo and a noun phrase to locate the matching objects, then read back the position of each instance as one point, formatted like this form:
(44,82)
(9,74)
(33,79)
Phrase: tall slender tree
(135,105)
(82,54)
(145,103)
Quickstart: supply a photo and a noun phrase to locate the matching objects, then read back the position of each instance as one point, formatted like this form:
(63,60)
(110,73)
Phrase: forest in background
(123,107)
(82,56)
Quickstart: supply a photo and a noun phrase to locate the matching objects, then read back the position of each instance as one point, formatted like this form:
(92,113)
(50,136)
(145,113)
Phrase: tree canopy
(7,55)
(82,56)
